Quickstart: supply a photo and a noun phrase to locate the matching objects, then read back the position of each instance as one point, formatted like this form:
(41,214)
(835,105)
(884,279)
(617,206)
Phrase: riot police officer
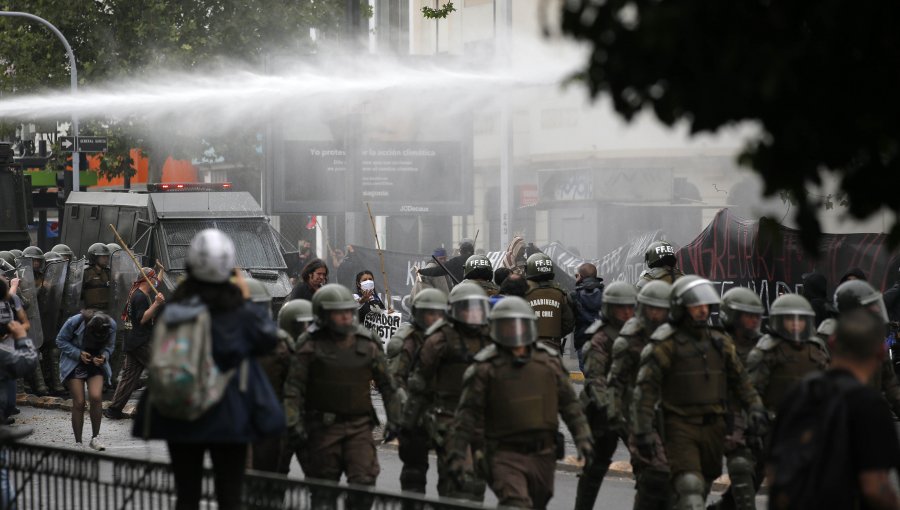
(37,379)
(327,398)
(478,270)
(651,474)
(428,307)
(38,262)
(661,264)
(687,371)
(436,381)
(517,388)
(113,247)
(555,318)
(295,317)
(7,261)
(740,314)
(96,287)
(64,251)
(616,310)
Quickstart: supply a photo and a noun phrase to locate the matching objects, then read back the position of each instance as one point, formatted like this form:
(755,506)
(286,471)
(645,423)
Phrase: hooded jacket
(585,301)
(815,291)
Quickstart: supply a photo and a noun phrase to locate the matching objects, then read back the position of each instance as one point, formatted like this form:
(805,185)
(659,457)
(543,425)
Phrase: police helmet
(618,293)
(478,267)
(854,294)
(113,247)
(691,290)
(36,255)
(468,304)
(736,301)
(660,254)
(655,294)
(64,251)
(333,297)
(17,253)
(8,258)
(513,323)
(210,257)
(539,267)
(427,301)
(259,294)
(792,317)
(295,316)
(51,256)
(96,251)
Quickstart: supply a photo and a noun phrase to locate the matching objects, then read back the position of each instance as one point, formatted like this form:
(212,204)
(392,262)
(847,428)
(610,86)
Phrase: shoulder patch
(662,332)
(546,348)
(435,327)
(487,353)
(633,326)
(593,328)
(767,343)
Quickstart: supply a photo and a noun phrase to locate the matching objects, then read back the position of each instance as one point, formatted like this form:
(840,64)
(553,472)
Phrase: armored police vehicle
(159,223)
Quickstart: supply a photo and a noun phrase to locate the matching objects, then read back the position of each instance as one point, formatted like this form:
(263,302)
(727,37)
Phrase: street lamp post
(76,160)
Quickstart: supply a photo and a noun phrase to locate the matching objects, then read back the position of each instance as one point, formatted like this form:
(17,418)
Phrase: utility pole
(76,158)
(502,37)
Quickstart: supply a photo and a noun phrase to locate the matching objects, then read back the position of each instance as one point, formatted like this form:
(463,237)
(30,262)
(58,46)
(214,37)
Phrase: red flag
(311,223)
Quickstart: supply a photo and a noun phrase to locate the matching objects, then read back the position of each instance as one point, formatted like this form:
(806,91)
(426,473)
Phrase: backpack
(813,425)
(184,381)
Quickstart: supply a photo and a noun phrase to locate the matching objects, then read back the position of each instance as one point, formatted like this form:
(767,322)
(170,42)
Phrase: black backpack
(813,425)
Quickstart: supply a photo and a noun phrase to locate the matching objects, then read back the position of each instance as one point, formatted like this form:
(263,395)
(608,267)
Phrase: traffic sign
(83,143)
(92,144)
(67,143)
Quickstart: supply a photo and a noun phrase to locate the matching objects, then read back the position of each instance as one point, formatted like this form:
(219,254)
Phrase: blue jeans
(580,353)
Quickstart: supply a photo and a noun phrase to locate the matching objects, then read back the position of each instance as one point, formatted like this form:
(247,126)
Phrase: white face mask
(367,285)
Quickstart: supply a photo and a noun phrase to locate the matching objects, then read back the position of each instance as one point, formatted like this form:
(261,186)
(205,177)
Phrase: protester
(239,333)
(141,313)
(833,443)
(854,273)
(454,266)
(85,343)
(313,276)
(815,291)
(10,298)
(585,301)
(366,295)
(17,354)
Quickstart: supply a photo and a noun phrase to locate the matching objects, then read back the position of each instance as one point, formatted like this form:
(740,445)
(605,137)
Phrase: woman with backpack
(230,416)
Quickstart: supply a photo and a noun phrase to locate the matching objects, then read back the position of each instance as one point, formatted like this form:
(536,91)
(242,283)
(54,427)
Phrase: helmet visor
(424,318)
(473,312)
(514,332)
(701,294)
(654,315)
(795,327)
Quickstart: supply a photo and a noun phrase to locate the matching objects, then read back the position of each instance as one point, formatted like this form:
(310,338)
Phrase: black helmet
(660,254)
(735,301)
(513,322)
(691,290)
(478,267)
(854,294)
(792,317)
(96,251)
(539,267)
(427,300)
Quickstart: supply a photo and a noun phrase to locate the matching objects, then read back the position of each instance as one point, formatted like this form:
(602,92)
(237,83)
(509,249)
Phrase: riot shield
(50,296)
(71,298)
(28,294)
(123,273)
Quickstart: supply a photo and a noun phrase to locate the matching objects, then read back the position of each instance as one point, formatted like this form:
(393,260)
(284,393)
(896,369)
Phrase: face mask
(367,285)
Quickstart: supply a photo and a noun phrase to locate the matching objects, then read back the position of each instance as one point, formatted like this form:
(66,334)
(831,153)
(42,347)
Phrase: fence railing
(36,477)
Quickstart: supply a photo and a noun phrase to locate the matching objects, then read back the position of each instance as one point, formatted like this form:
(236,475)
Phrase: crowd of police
(477,375)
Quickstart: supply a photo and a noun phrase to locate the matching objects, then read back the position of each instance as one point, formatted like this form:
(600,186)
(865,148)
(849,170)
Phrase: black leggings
(229,461)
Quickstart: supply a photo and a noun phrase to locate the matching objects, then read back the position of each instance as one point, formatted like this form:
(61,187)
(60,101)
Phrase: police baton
(455,281)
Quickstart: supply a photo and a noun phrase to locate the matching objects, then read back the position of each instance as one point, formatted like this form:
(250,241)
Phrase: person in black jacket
(313,276)
(815,288)
(454,265)
(585,301)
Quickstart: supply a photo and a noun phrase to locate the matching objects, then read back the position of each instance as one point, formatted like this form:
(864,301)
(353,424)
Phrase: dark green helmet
(738,300)
(691,290)
(51,256)
(468,304)
(617,293)
(17,253)
(427,301)
(258,292)
(660,254)
(513,323)
(854,294)
(8,257)
(539,267)
(64,251)
(654,293)
(792,317)
(295,316)
(113,247)
(333,297)
(36,255)
(478,267)
(96,251)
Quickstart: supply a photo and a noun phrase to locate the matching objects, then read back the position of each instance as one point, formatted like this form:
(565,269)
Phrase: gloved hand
(758,421)
(646,445)
(585,451)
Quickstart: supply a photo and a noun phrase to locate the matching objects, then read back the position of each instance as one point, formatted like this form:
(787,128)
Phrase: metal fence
(43,477)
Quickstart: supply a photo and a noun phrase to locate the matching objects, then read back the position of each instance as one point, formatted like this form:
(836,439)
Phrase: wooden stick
(387,288)
(133,259)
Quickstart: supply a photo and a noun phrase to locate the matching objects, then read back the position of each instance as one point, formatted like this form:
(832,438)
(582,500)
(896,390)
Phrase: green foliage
(816,76)
(439,13)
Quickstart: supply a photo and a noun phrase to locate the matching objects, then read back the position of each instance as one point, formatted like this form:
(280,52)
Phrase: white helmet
(210,257)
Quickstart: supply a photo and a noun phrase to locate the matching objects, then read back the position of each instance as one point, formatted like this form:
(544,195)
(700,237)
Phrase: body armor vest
(449,375)
(794,364)
(547,303)
(522,399)
(338,379)
(696,376)
(96,288)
